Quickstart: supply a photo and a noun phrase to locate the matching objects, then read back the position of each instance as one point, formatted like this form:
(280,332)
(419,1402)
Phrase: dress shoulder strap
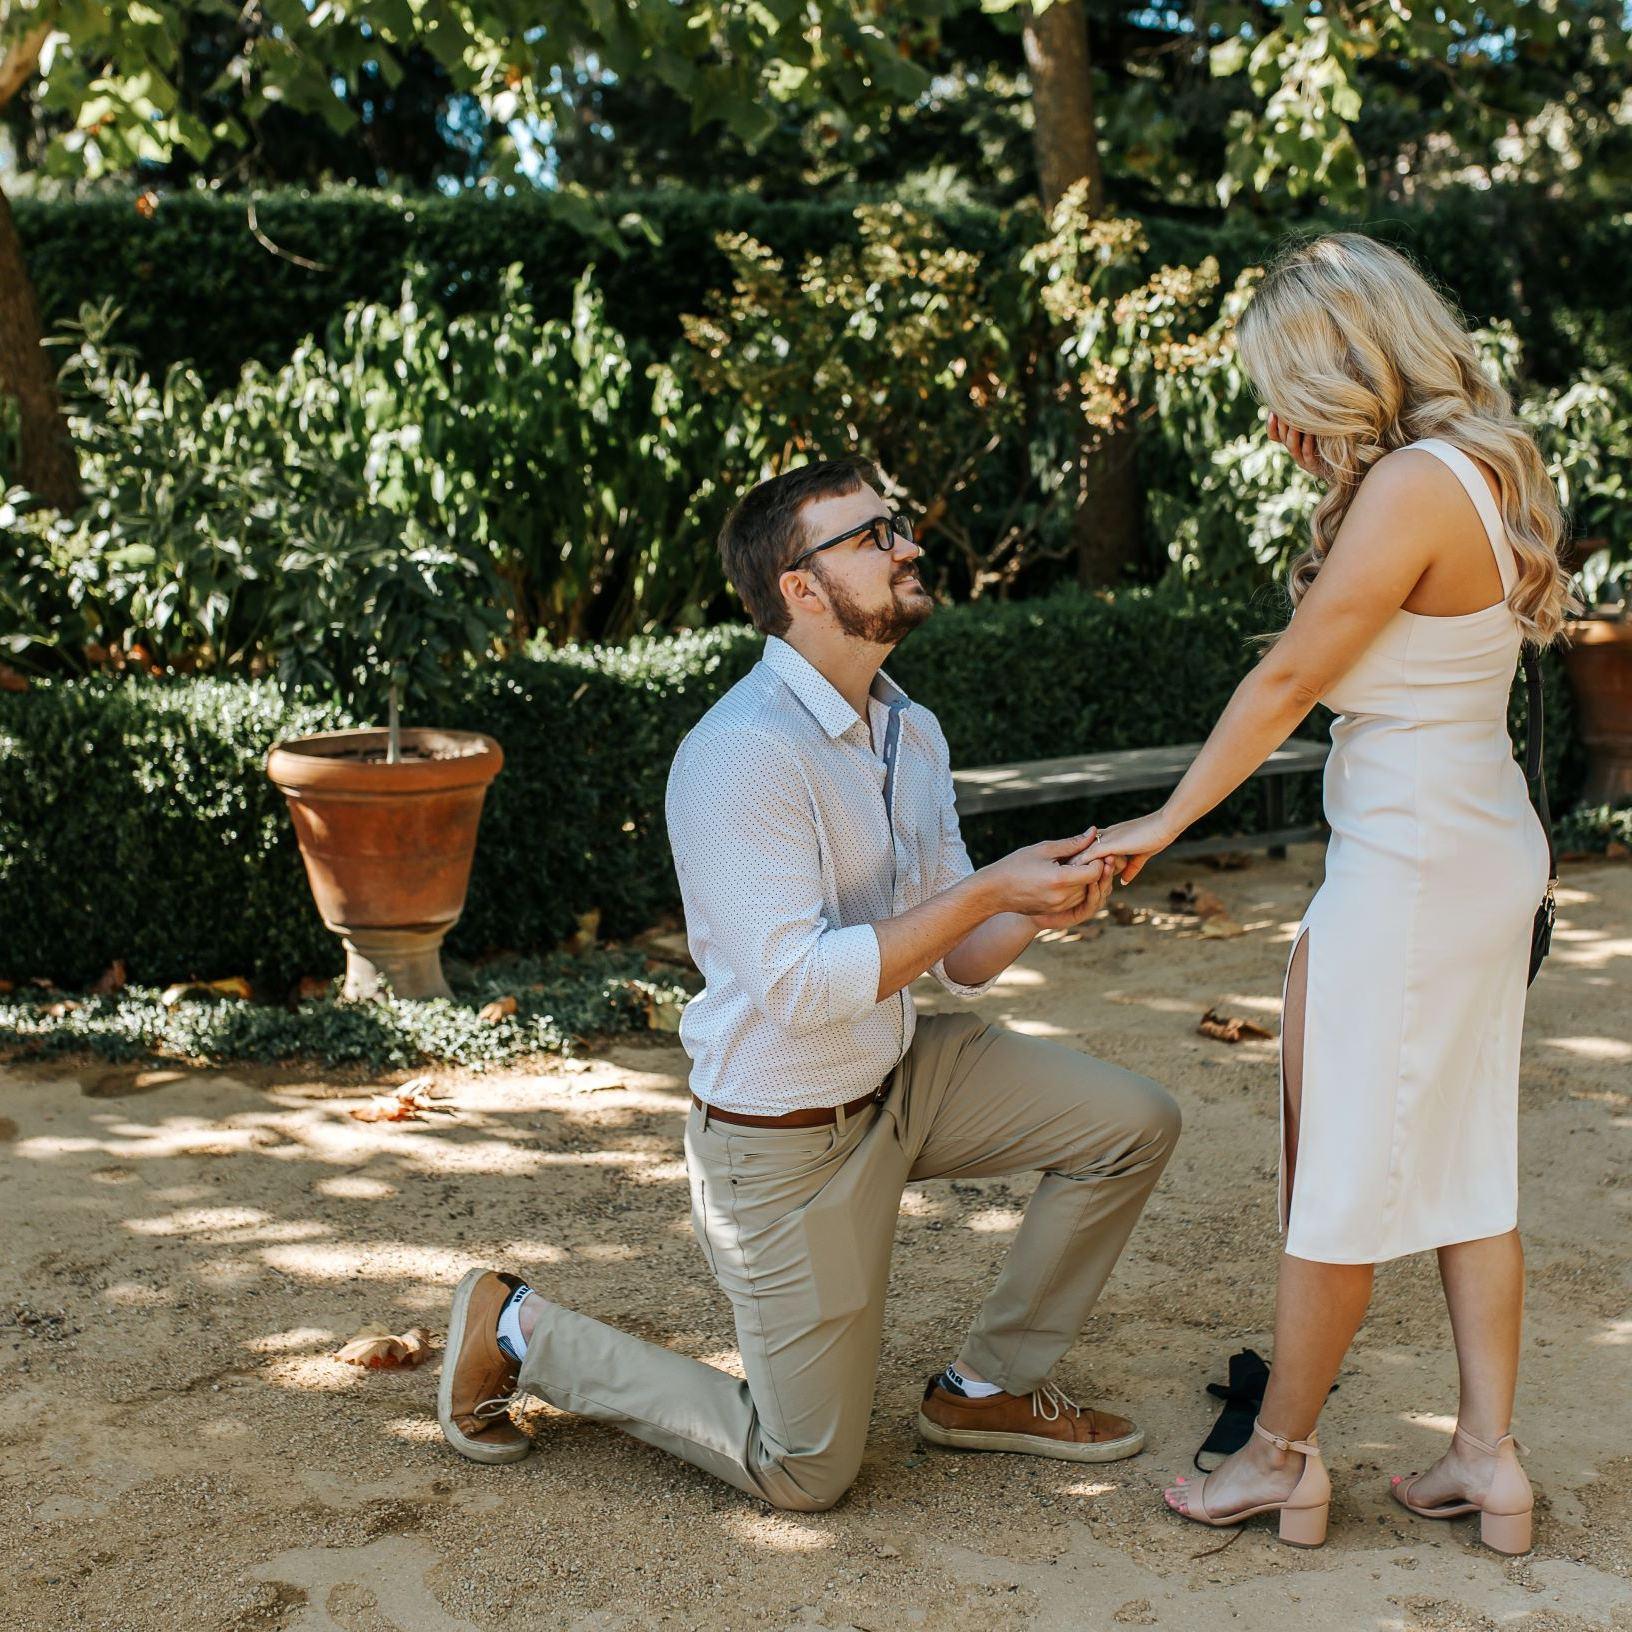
(1474,484)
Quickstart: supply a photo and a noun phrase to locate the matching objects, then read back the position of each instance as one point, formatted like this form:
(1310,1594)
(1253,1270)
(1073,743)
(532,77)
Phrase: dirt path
(183,1251)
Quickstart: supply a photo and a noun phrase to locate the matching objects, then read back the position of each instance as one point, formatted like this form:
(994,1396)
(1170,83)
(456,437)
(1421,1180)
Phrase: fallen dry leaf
(1616,851)
(44,984)
(501,1008)
(381,1350)
(1229,1028)
(312,986)
(1197,903)
(8,986)
(408,1103)
(57,1010)
(11,680)
(1219,927)
(111,980)
(1226,861)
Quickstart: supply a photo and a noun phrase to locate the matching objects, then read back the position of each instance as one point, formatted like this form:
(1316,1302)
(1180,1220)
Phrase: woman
(1435,553)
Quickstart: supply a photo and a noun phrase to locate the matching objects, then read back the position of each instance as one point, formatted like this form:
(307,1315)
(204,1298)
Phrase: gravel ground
(183,1251)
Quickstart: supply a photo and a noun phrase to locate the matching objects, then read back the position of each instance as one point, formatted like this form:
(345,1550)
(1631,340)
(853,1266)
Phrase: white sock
(510,1338)
(975,1391)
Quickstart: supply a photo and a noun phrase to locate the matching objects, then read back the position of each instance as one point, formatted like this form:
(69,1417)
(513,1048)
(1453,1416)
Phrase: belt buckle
(881,1092)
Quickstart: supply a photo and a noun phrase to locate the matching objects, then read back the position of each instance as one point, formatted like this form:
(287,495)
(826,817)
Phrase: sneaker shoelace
(490,1410)
(1047,1402)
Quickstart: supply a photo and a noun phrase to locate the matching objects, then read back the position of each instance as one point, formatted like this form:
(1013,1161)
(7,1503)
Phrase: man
(821,868)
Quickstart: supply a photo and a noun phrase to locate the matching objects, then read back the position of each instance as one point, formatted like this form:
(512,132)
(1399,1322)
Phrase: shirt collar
(818,693)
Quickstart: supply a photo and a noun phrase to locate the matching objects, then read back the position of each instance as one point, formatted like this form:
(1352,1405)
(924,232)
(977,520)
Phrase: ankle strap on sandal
(1305,1447)
(1482,1445)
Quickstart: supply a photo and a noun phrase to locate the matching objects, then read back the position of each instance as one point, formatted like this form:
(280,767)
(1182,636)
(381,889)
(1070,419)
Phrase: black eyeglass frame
(886,530)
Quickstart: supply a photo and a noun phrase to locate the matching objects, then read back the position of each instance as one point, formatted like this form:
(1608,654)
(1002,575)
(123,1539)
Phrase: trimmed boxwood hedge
(194,283)
(136,820)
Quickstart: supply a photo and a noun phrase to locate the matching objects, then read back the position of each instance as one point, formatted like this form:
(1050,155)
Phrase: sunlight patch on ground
(297,1338)
(781,1532)
(1616,1334)
(133,1295)
(1018,975)
(1592,1048)
(355,1187)
(994,1220)
(1426,1419)
(226,1226)
(378,1261)
(314,1374)
(1582,950)
(528,1250)
(414,1430)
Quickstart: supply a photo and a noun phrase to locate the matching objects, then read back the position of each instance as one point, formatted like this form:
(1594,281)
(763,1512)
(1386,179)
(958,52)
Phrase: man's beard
(883,626)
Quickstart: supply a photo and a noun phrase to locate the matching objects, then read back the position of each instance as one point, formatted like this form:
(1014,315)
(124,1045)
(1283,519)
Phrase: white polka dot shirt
(796,826)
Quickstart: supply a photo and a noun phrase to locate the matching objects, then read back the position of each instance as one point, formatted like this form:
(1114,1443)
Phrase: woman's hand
(1300,444)
(1138,841)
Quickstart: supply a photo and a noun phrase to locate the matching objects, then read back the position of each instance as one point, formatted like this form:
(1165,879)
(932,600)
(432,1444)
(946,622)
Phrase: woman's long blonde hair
(1346,340)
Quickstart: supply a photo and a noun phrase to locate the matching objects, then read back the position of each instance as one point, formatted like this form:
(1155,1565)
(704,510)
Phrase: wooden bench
(983,789)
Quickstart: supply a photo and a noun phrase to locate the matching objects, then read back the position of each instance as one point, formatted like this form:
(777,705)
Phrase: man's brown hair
(763,533)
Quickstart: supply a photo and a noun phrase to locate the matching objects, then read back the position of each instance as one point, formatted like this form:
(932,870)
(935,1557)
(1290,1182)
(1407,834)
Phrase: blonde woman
(1435,554)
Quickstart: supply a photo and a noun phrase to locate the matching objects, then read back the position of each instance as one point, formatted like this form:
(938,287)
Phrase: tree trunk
(1107,524)
(1062,102)
(46,463)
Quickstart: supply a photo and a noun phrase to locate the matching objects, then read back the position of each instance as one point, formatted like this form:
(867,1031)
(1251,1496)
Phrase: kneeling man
(822,871)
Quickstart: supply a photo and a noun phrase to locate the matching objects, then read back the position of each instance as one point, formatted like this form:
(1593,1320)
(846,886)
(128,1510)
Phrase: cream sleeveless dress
(1418,940)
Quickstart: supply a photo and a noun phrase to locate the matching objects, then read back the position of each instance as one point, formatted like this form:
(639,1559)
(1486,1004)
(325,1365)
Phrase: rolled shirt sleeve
(748,852)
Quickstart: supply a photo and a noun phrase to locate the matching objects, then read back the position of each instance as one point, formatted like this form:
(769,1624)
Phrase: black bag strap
(1534,773)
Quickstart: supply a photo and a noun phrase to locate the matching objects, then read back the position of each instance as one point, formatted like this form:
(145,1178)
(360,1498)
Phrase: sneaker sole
(477,1450)
(975,1439)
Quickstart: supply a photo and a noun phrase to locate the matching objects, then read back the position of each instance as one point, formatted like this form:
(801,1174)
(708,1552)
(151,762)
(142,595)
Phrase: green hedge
(196,284)
(136,820)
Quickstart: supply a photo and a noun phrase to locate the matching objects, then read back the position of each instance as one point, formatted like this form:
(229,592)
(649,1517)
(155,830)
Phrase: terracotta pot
(388,847)
(1598,661)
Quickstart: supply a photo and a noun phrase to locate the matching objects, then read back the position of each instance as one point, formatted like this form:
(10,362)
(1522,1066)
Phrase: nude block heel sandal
(1303,1513)
(1506,1509)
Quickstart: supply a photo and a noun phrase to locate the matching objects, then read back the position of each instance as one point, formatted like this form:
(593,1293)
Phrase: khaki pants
(797,1226)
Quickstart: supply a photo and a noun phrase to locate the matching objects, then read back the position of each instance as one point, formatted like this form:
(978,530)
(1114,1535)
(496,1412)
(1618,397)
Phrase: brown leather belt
(814,1116)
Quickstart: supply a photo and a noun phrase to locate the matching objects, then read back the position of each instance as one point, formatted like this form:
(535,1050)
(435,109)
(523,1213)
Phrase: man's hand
(1098,878)
(1033,881)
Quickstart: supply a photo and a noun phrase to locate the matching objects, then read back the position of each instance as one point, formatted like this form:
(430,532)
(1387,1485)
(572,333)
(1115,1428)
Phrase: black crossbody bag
(1541,933)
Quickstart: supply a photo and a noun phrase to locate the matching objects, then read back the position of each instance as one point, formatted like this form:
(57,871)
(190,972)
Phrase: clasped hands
(1063,882)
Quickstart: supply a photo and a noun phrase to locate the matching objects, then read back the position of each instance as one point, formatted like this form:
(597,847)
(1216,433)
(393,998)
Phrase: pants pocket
(700,1220)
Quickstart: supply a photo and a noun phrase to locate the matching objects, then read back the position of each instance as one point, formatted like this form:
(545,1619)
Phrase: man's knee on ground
(813,1484)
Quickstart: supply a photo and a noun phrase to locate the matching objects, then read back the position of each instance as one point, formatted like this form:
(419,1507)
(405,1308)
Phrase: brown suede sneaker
(478,1377)
(1042,1423)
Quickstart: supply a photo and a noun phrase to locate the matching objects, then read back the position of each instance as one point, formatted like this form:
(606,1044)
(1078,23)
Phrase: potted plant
(1594,470)
(386,816)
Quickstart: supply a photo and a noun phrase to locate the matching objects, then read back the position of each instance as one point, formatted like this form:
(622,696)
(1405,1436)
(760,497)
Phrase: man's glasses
(886,532)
